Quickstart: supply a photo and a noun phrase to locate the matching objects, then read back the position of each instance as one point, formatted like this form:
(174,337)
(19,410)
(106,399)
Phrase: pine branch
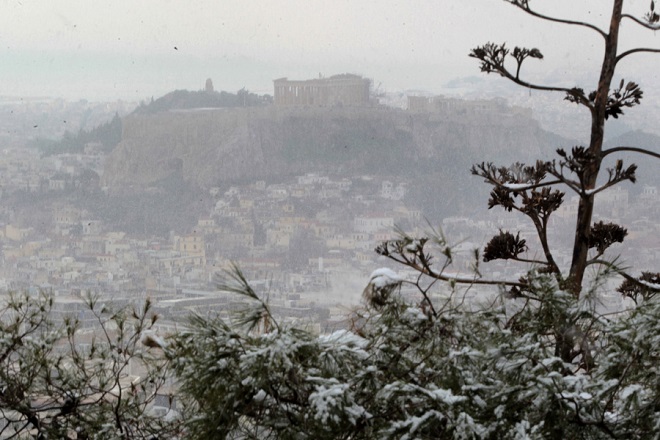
(251,317)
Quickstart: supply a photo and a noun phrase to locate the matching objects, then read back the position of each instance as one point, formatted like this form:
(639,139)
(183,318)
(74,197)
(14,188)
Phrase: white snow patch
(325,399)
(653,286)
(344,337)
(517,186)
(595,190)
(416,313)
(384,277)
(630,390)
(447,396)
(260,396)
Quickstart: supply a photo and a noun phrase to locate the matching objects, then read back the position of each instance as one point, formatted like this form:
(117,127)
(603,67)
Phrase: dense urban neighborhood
(308,241)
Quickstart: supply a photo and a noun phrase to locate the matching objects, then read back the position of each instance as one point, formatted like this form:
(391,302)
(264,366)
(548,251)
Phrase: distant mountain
(647,171)
(636,138)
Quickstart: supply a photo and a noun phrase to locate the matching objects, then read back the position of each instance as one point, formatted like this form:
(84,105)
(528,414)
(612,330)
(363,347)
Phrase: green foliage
(60,380)
(402,372)
(185,99)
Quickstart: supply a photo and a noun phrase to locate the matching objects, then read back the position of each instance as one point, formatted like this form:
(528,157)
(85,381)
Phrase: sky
(135,49)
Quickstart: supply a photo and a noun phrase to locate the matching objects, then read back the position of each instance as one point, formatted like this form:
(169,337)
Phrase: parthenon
(337,90)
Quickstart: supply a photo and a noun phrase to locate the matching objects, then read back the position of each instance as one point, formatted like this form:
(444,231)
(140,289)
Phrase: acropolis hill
(211,146)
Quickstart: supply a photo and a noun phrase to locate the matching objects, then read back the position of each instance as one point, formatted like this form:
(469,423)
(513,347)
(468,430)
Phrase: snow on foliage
(491,373)
(382,283)
(327,398)
(52,386)
(654,286)
(517,186)
(384,277)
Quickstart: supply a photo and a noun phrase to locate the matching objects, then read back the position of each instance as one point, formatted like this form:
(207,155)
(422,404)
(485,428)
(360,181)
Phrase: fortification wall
(208,147)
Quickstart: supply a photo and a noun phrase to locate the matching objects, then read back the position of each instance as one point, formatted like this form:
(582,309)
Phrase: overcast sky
(133,49)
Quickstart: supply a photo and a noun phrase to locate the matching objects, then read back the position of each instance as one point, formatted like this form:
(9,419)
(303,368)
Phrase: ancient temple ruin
(338,90)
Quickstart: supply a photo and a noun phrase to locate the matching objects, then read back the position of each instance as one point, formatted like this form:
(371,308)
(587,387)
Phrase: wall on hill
(211,147)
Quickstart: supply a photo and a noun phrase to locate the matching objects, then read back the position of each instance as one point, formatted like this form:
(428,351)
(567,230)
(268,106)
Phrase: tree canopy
(186,99)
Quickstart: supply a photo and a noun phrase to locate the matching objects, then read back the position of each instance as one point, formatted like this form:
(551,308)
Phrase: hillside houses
(298,234)
(306,236)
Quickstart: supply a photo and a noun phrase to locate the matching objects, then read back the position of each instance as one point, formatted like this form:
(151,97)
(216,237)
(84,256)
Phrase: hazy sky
(132,49)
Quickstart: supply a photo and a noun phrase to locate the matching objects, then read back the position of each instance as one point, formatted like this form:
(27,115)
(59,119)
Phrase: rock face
(208,147)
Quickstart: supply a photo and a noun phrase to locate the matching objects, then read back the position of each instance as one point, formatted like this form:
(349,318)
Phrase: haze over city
(107,50)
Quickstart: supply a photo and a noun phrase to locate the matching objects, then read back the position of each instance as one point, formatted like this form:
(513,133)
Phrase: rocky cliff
(208,147)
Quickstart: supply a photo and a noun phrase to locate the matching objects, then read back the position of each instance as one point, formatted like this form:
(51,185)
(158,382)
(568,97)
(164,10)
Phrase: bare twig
(524,5)
(633,149)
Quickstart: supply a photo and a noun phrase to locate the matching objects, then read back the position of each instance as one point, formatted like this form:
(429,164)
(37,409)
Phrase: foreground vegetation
(401,371)
(540,361)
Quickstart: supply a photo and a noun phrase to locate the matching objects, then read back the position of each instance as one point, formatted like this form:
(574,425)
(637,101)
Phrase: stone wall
(208,147)
(453,106)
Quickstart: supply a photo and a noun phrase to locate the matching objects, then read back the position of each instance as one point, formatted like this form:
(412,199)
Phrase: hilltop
(212,147)
(108,134)
(186,99)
